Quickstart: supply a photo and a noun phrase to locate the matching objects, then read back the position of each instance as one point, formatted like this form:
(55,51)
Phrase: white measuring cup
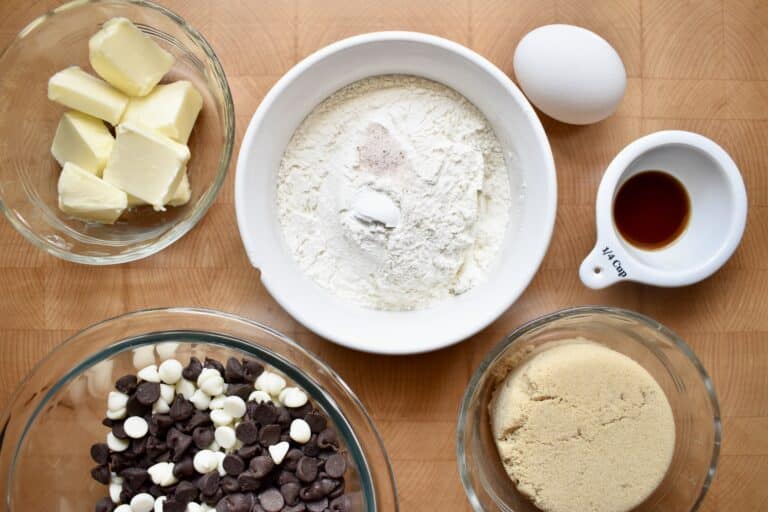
(718,213)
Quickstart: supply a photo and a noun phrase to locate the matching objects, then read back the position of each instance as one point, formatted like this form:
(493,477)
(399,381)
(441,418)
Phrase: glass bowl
(28,120)
(662,353)
(55,415)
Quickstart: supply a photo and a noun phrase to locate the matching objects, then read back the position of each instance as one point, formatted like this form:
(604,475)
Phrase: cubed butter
(83,140)
(128,59)
(180,197)
(146,164)
(87,197)
(170,109)
(76,89)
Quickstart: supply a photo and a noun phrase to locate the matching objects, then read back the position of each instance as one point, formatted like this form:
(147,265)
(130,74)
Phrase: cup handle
(605,265)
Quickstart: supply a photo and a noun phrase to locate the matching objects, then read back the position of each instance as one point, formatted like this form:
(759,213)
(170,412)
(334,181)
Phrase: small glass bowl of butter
(29,172)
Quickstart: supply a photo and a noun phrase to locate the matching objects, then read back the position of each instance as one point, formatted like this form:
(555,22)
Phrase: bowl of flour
(396,191)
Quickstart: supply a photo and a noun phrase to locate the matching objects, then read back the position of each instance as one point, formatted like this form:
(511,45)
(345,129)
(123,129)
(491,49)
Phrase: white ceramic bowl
(294,97)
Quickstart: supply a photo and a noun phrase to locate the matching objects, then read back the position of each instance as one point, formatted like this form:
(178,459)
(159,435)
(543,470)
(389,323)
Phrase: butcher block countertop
(699,65)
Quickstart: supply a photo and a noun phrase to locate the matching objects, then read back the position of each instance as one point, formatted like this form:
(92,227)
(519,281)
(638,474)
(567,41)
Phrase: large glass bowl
(28,120)
(662,353)
(55,415)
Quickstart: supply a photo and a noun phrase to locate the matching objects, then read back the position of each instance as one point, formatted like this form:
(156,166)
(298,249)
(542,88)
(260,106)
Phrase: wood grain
(699,65)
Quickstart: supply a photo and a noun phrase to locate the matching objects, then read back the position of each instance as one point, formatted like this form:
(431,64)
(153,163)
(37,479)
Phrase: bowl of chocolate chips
(189,410)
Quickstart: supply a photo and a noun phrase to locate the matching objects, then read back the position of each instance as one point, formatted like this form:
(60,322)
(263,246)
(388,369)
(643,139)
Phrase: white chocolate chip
(166,350)
(220,418)
(213,385)
(149,374)
(220,463)
(234,406)
(116,400)
(170,371)
(278,451)
(161,406)
(123,508)
(159,503)
(270,382)
(293,397)
(259,396)
(205,374)
(205,461)
(114,491)
(217,402)
(214,446)
(200,400)
(185,388)
(193,507)
(115,444)
(225,436)
(167,392)
(98,378)
(300,431)
(142,502)
(136,427)
(162,473)
(143,356)
(116,415)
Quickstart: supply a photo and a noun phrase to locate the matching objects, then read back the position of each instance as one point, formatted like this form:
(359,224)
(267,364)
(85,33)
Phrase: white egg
(570,73)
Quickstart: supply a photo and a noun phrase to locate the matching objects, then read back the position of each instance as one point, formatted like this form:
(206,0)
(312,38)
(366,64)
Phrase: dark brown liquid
(651,209)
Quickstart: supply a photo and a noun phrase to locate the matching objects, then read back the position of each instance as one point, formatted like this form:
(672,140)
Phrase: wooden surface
(698,65)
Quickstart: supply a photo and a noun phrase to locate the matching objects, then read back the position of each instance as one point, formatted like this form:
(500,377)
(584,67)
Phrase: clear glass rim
(205,202)
(512,337)
(230,341)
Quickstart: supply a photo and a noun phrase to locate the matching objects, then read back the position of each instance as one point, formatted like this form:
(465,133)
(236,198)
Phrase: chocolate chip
(327,438)
(316,421)
(105,505)
(171,504)
(100,453)
(233,465)
(181,409)
(184,469)
(261,466)
(216,365)
(203,437)
(139,446)
(249,451)
(317,506)
(251,370)
(134,478)
(185,492)
(306,469)
(147,393)
(269,435)
(208,483)
(310,448)
(264,414)
(135,408)
(198,419)
(178,442)
(336,465)
(159,423)
(125,495)
(101,474)
(341,504)
(126,384)
(248,481)
(213,499)
(285,477)
(247,432)
(234,371)
(290,492)
(155,447)
(193,369)
(271,500)
(283,417)
(299,507)
(241,390)
(301,411)
(118,431)
(235,503)
(339,490)
(229,484)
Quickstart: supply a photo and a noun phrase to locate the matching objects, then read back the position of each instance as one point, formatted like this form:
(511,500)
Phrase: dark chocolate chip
(247,432)
(317,506)
(134,478)
(249,451)
(135,407)
(178,442)
(118,431)
(159,423)
(185,492)
(235,503)
(248,481)
(101,474)
(251,370)
(171,504)
(100,453)
(125,495)
(271,500)
(208,483)
(327,438)
(126,384)
(292,459)
(184,469)
(338,491)
(234,371)
(181,409)
(283,417)
(269,435)
(310,448)
(193,369)
(233,465)
(299,507)
(241,390)
(336,465)
(264,413)
(203,437)
(198,419)
(216,365)
(290,492)
(306,469)
(317,422)
(341,504)
(300,412)
(213,499)
(155,447)
(285,477)
(261,466)
(229,484)
(147,393)
(105,505)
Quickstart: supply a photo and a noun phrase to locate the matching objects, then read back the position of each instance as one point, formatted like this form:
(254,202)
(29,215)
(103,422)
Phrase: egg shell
(570,73)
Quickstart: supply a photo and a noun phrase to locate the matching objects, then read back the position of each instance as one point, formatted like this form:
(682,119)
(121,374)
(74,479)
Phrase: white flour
(394,193)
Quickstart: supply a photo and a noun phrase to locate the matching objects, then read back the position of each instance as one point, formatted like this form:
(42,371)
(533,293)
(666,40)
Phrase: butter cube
(82,140)
(146,165)
(76,89)
(87,197)
(180,197)
(128,59)
(170,109)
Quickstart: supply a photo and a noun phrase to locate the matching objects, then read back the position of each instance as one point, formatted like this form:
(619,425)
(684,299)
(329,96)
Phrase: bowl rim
(547,217)
(180,229)
(512,337)
(293,345)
